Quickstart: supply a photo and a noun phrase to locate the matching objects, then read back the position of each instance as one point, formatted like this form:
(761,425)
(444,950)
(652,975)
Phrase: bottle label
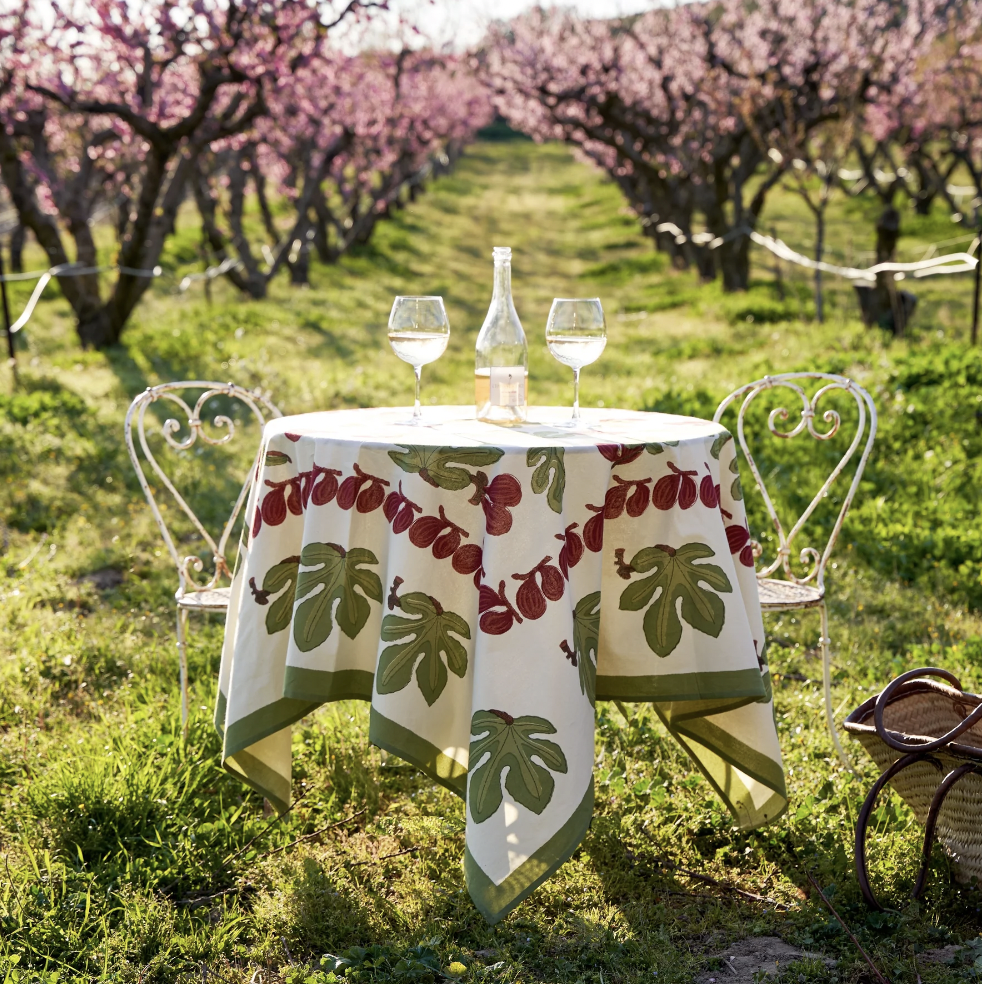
(508,386)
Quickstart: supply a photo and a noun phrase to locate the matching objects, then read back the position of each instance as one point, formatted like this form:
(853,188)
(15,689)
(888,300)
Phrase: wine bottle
(502,358)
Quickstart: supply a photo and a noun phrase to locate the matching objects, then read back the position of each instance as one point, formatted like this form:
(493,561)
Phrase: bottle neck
(502,281)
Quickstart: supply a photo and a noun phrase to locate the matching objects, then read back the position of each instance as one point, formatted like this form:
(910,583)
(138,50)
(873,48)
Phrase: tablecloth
(482,586)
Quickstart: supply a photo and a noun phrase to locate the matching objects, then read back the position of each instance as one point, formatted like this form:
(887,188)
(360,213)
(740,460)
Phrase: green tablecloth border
(250,770)
(496,901)
(738,755)
(263,722)
(221,702)
(417,751)
(683,686)
(324,686)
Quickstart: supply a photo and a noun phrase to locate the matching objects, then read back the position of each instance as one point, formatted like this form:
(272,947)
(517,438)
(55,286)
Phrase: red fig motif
(324,485)
(593,531)
(505,489)
(529,599)
(293,502)
(495,498)
(274,506)
(497,517)
(425,530)
(572,549)
(404,518)
(708,492)
(446,544)
(371,498)
(553,586)
(467,559)
(638,502)
(390,508)
(688,493)
(495,622)
(614,501)
(621,454)
(737,537)
(257,522)
(349,491)
(747,556)
(666,491)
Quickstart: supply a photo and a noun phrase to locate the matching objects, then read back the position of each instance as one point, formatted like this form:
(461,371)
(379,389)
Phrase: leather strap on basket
(862,872)
(897,742)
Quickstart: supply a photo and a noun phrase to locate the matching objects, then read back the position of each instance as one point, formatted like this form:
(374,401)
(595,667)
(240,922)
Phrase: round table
(482,586)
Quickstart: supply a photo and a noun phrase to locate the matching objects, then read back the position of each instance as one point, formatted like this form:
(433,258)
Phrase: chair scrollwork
(193,419)
(822,425)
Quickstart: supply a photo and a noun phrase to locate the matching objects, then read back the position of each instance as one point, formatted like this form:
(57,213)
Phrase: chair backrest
(192,419)
(864,436)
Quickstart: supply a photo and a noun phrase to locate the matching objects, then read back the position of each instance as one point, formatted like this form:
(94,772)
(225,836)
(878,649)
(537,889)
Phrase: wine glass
(418,334)
(576,334)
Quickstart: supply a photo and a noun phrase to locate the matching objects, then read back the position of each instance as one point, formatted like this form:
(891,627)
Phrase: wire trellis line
(950,263)
(64,270)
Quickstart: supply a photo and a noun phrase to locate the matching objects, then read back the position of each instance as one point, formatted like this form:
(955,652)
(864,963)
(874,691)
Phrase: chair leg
(182,653)
(827,681)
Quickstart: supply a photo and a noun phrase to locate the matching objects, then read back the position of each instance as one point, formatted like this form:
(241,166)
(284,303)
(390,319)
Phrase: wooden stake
(6,319)
(975,295)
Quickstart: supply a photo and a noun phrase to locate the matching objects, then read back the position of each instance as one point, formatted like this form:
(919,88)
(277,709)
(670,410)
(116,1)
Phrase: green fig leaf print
(277,458)
(335,574)
(279,577)
(720,443)
(500,741)
(548,461)
(434,464)
(586,642)
(676,575)
(656,447)
(427,634)
(736,489)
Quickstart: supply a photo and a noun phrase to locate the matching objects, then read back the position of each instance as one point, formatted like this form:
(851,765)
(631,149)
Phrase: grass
(129,855)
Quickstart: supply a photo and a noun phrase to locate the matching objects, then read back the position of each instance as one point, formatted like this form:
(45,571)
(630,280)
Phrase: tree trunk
(255,280)
(888,305)
(819,250)
(17,238)
(300,267)
(705,260)
(734,263)
(96,328)
(322,220)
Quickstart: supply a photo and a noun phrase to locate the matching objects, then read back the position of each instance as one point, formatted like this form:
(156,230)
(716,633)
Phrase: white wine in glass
(576,334)
(418,333)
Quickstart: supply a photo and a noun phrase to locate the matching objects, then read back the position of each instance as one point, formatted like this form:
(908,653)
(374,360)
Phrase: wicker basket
(927,738)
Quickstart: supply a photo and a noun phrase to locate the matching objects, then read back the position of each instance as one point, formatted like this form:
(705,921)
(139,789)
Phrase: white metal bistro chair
(210,596)
(780,588)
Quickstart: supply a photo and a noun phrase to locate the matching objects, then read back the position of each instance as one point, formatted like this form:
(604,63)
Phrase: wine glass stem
(576,394)
(417,413)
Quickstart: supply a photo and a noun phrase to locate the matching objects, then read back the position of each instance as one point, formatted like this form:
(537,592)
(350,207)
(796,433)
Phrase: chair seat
(776,596)
(214,599)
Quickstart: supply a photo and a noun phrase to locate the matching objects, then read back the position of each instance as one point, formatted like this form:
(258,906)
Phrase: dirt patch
(946,955)
(103,580)
(754,955)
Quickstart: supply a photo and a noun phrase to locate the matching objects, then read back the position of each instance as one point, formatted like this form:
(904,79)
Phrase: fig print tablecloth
(482,587)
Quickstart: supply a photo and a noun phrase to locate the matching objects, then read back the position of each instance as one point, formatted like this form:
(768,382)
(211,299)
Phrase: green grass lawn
(129,855)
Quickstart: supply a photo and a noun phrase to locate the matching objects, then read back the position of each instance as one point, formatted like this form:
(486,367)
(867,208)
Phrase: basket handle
(889,738)
(862,872)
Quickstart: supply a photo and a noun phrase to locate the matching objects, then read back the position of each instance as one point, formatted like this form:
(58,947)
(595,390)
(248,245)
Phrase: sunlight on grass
(131,856)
